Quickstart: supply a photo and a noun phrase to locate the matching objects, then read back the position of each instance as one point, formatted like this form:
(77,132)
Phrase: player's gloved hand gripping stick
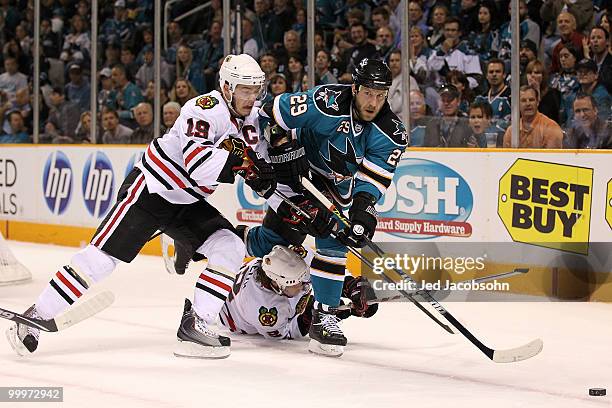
(499,356)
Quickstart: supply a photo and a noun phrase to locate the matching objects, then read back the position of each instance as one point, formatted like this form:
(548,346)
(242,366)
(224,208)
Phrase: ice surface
(399,358)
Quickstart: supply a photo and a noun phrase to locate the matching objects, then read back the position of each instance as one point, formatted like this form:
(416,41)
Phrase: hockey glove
(244,161)
(362,216)
(320,224)
(359,291)
(290,163)
(304,320)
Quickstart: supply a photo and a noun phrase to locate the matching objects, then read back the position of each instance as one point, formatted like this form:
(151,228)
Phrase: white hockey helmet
(241,70)
(284,267)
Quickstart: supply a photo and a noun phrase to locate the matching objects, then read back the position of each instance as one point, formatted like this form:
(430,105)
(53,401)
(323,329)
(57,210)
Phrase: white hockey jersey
(183,165)
(254,309)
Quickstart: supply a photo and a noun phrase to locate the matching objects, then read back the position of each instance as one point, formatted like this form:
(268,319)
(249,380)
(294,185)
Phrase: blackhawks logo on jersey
(268,317)
(300,307)
(206,102)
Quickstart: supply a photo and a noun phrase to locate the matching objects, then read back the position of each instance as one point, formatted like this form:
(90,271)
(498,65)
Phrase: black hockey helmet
(373,74)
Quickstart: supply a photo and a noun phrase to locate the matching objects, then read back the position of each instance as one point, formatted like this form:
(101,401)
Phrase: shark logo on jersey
(337,161)
(268,317)
(400,129)
(206,102)
(330,97)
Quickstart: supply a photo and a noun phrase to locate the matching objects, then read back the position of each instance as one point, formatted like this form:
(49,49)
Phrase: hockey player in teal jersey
(349,141)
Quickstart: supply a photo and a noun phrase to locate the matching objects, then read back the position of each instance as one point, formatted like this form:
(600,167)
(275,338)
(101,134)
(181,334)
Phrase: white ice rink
(399,358)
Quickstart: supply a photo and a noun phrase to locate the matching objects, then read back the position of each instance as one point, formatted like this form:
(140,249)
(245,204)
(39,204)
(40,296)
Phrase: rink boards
(547,209)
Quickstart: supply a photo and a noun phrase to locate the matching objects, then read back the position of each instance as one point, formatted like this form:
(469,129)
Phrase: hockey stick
(502,275)
(367,262)
(80,311)
(499,356)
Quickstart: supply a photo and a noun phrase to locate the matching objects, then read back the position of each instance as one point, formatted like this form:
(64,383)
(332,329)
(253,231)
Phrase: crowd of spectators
(459,63)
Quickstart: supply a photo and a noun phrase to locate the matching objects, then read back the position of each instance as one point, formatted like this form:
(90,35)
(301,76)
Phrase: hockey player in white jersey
(272,296)
(167,190)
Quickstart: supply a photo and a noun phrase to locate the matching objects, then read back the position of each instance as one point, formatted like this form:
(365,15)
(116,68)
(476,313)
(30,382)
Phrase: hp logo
(98,184)
(57,182)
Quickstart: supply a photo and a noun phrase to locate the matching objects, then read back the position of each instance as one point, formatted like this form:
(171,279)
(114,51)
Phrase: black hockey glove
(304,320)
(290,163)
(362,216)
(359,291)
(320,224)
(244,161)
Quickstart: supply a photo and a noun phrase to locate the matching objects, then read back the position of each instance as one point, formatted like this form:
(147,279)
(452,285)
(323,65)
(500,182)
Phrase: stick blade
(518,354)
(85,309)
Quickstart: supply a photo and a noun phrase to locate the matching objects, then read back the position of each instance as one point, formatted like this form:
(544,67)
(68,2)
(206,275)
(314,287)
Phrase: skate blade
(16,345)
(187,349)
(327,350)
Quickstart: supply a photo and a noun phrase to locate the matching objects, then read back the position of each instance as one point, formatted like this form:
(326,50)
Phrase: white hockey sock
(212,288)
(64,288)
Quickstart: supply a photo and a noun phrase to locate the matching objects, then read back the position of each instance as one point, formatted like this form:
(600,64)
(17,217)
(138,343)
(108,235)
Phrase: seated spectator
(112,56)
(300,22)
(416,16)
(118,29)
(125,94)
(269,32)
(550,98)
(143,134)
(599,39)
(188,68)
(77,43)
(83,130)
(114,133)
(418,118)
(589,85)
(419,54)
(529,30)
(25,41)
(484,134)
(499,93)
(21,103)
(18,133)
(11,80)
(249,44)
(149,95)
(210,53)
(145,73)
(581,9)
(384,42)
(528,52)
(468,16)
(322,63)
(128,60)
(566,80)
(435,35)
(292,46)
(175,39)
(361,49)
(566,23)
(78,89)
(269,64)
(395,96)
(295,72)
(182,91)
(63,119)
(459,80)
(105,88)
(453,53)
(172,110)
(277,85)
(588,130)
(451,128)
(536,131)
(482,40)
(50,42)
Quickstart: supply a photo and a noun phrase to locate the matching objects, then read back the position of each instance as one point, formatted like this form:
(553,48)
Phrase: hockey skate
(197,340)
(24,339)
(326,337)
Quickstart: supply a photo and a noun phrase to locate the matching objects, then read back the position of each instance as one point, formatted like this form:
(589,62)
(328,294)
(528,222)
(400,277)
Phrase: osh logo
(426,200)
(98,184)
(547,204)
(57,182)
(251,205)
(132,162)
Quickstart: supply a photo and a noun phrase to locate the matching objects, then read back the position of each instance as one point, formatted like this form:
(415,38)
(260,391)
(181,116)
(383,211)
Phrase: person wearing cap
(589,85)
(451,128)
(105,88)
(117,29)
(78,89)
(63,119)
(536,130)
(528,52)
(588,131)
